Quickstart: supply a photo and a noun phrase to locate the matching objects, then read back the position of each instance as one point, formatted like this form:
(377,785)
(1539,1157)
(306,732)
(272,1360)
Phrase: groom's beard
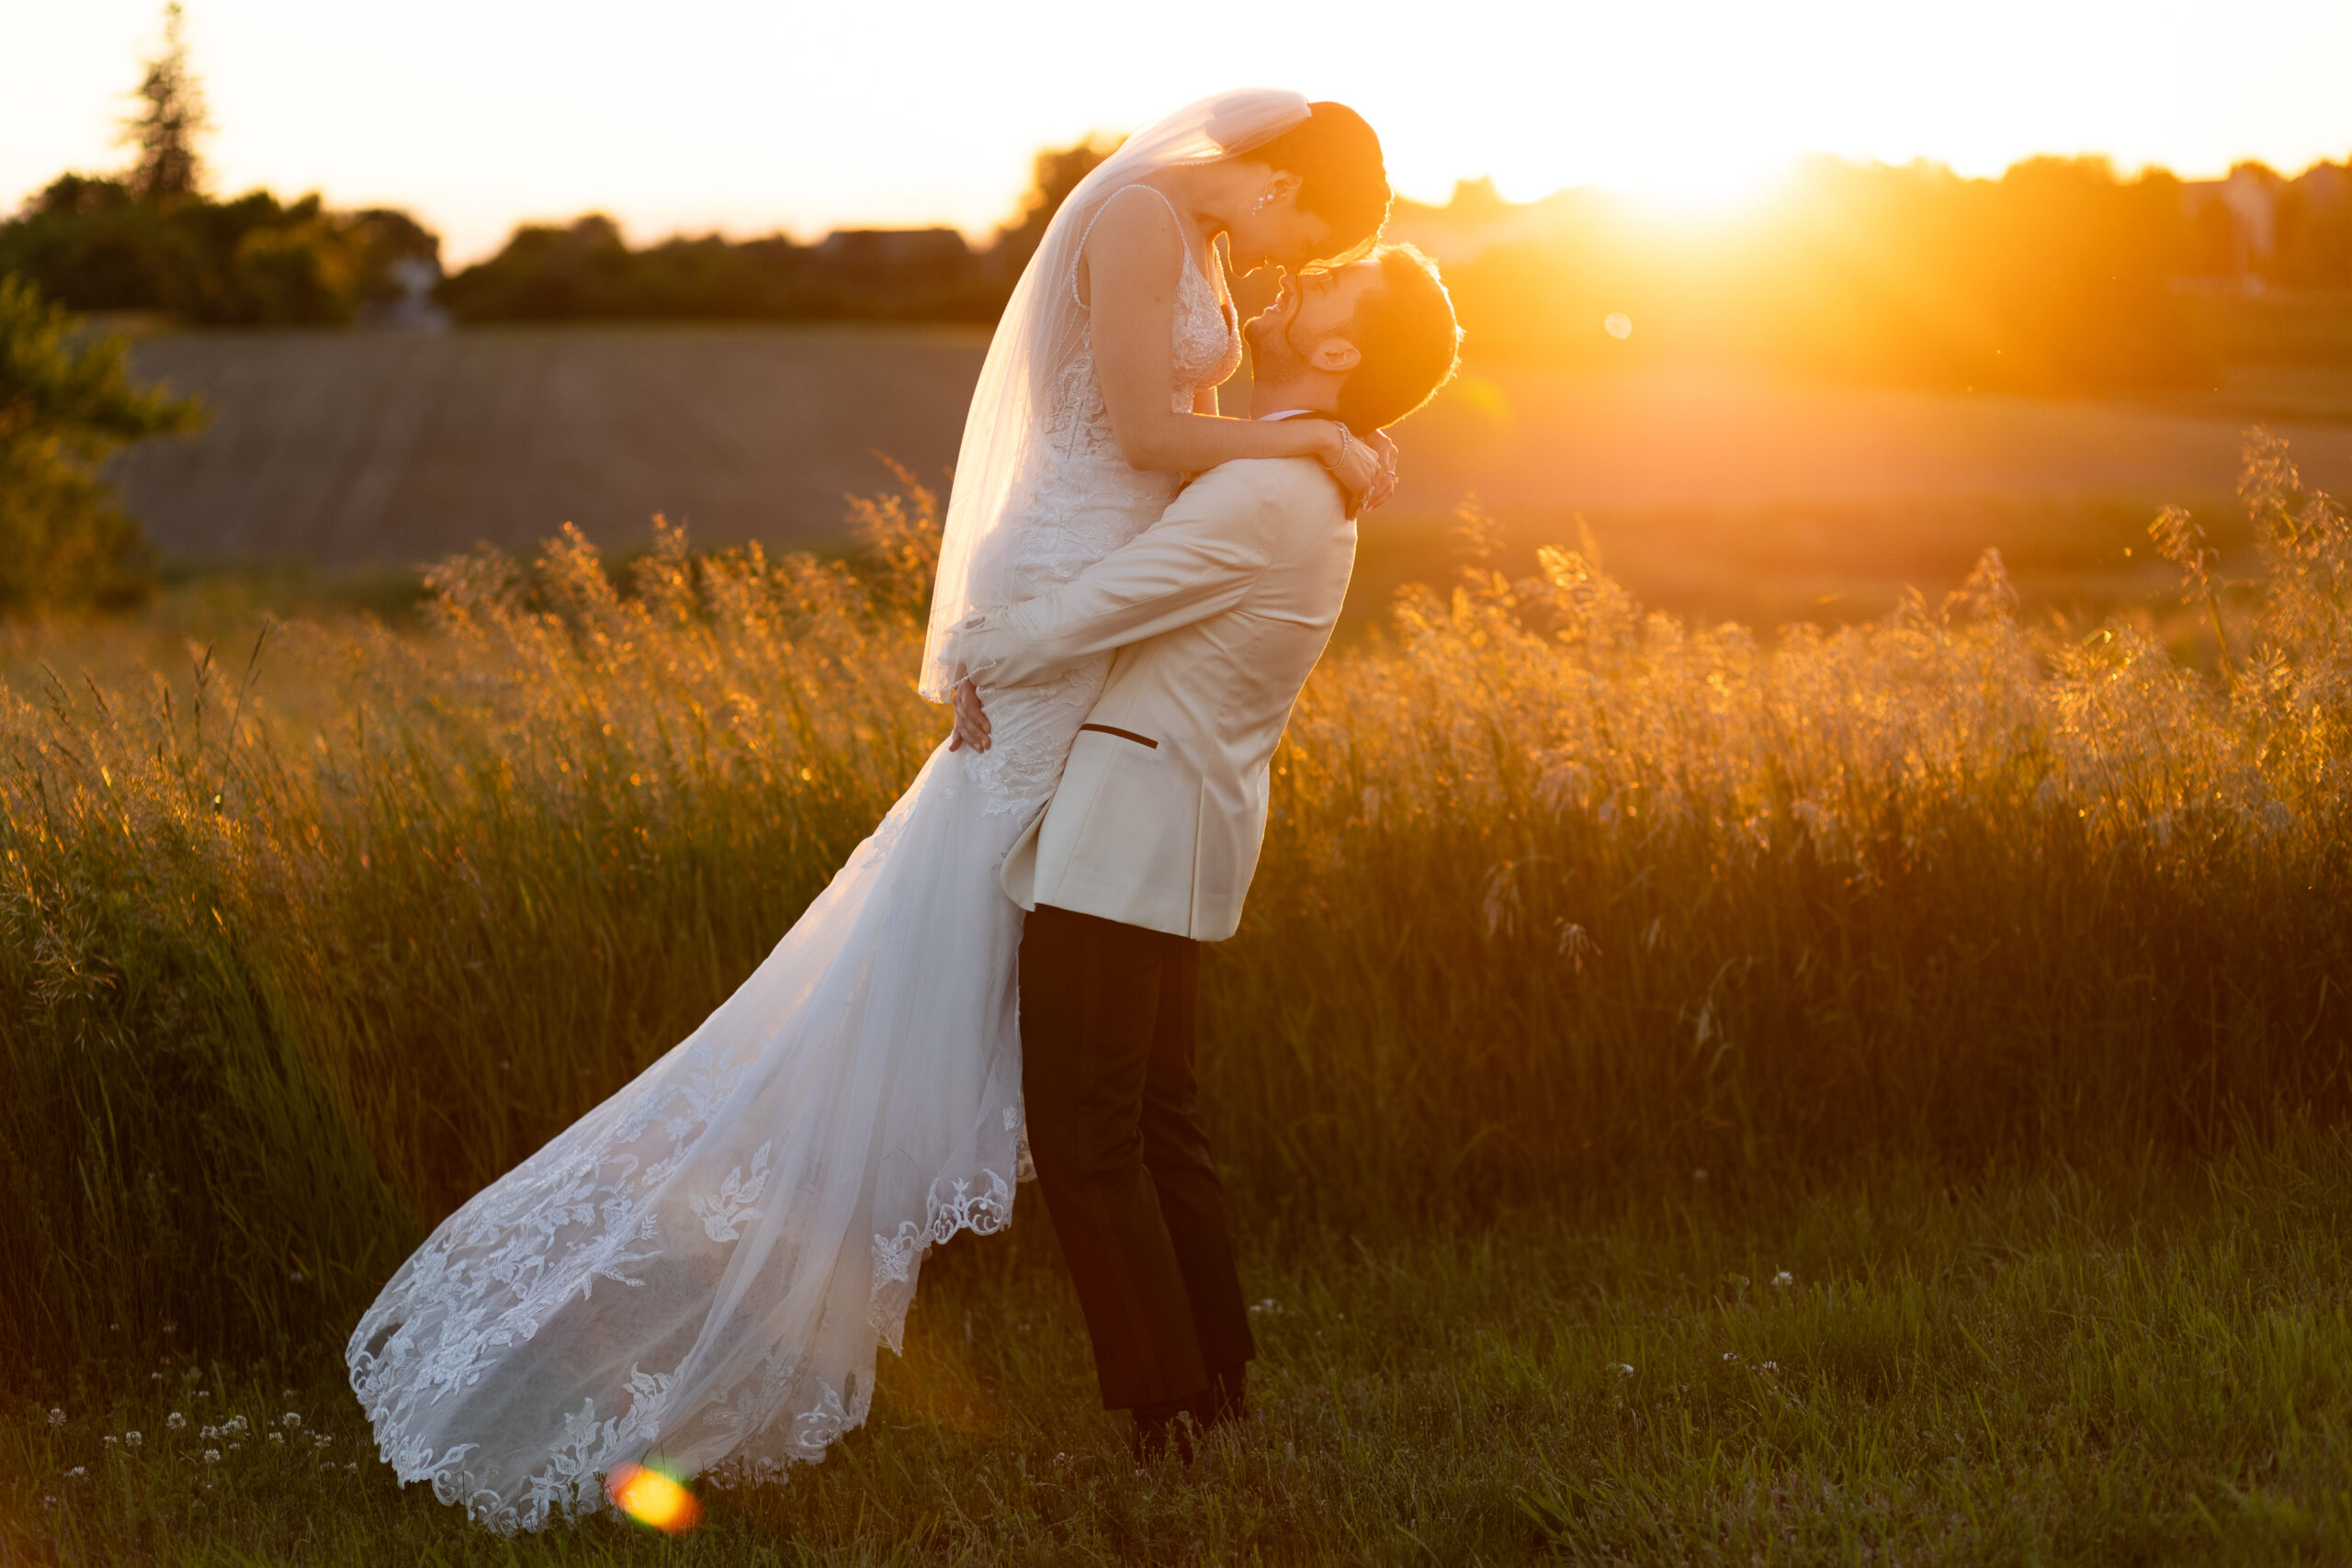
(1273,358)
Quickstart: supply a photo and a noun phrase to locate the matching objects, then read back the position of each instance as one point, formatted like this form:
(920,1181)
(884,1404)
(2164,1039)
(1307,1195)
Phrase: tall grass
(1561,891)
(1560,899)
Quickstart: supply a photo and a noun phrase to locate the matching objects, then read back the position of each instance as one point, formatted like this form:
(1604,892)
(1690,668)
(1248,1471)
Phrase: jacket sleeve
(1197,561)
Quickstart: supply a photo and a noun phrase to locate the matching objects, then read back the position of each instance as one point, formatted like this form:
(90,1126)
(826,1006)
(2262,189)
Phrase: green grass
(2152,1366)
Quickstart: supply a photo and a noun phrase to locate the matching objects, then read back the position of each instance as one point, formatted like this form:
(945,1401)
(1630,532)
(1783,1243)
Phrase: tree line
(2061,274)
(586,271)
(151,238)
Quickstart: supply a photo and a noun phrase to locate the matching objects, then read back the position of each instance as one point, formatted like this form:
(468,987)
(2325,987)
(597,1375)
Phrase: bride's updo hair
(1342,178)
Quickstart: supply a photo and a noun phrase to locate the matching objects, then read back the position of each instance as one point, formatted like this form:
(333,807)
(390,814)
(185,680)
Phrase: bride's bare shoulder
(1136,230)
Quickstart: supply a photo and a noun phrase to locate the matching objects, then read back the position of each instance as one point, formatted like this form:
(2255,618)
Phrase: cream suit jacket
(1218,612)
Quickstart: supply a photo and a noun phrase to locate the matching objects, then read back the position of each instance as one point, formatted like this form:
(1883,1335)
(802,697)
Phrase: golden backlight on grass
(653,1498)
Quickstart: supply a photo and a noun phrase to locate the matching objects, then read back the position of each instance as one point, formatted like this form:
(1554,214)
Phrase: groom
(1218,612)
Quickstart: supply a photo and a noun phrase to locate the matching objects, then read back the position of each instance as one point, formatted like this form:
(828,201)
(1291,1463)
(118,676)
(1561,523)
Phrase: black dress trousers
(1106,1074)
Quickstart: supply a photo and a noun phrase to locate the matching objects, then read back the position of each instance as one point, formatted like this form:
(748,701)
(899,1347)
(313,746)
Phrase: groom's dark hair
(1342,178)
(1408,338)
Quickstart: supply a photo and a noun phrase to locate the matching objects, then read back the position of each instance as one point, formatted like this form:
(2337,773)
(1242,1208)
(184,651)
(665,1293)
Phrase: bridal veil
(1042,330)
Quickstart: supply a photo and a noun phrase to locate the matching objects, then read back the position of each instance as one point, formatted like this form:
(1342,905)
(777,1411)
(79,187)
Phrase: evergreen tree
(167,125)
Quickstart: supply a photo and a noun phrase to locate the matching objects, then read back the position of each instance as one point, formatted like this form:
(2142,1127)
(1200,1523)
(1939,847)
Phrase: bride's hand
(971,717)
(1385,485)
(1358,468)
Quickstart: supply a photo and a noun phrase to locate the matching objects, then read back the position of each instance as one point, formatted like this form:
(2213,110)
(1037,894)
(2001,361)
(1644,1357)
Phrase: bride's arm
(1132,261)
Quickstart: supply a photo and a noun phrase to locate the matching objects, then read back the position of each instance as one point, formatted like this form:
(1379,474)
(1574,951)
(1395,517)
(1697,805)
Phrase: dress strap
(1086,234)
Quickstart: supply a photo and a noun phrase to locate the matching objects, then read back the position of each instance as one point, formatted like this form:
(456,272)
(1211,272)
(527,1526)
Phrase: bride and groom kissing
(1131,590)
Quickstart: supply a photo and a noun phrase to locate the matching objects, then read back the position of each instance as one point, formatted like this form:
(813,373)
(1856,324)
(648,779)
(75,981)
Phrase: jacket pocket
(1122,734)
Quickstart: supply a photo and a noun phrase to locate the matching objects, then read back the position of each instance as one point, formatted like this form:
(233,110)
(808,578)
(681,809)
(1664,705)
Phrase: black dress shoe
(1170,1424)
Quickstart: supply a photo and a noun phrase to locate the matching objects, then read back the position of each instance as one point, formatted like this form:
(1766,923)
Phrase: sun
(1672,184)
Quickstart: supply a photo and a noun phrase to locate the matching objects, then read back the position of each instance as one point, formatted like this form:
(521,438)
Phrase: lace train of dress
(703,1266)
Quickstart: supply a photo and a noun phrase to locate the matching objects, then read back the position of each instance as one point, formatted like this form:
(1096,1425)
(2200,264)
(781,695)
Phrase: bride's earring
(1263,202)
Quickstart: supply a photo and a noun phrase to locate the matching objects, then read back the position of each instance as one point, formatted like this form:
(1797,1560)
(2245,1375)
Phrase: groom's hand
(971,718)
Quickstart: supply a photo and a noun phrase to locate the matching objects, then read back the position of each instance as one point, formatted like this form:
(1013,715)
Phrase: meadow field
(1712,492)
(1865,1092)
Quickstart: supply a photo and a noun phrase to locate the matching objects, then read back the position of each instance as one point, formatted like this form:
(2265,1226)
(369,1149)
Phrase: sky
(754,116)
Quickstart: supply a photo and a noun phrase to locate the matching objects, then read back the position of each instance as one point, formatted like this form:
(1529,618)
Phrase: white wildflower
(1783,1279)
(290,1420)
(56,1417)
(175,1421)
(212,1456)
(132,1439)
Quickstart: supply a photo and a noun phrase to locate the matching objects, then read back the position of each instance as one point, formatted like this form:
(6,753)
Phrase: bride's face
(1273,232)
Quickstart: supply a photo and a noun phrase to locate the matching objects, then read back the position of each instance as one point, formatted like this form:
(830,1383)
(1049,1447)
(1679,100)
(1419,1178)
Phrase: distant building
(413,309)
(934,258)
(2257,230)
(2236,221)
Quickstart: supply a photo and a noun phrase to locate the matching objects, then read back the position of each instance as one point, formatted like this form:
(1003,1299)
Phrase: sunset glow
(749,117)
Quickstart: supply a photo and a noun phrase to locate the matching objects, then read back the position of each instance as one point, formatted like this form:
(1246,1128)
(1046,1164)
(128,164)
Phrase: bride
(701,1268)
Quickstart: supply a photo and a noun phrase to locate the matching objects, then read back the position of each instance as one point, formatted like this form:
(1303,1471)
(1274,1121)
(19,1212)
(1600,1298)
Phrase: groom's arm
(1196,561)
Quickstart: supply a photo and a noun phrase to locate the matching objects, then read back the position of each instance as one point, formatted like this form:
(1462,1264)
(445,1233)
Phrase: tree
(64,406)
(166,127)
(1055,175)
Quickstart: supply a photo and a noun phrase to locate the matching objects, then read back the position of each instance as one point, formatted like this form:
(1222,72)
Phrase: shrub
(64,406)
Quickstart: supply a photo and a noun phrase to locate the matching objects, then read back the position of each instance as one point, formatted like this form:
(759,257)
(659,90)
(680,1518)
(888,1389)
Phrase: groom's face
(1307,326)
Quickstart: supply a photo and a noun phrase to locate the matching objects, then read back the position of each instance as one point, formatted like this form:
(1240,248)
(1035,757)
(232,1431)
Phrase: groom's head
(1368,342)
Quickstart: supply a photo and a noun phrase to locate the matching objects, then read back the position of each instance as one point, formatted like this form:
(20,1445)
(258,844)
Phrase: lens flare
(1619,325)
(653,1498)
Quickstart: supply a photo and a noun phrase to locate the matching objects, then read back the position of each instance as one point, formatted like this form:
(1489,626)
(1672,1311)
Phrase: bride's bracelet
(1347,439)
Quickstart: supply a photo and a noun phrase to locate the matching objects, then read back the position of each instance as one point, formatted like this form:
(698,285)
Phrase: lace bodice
(1084,501)
(1085,481)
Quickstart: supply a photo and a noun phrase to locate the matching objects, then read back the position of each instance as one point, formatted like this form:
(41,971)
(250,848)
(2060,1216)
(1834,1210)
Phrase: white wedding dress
(702,1267)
